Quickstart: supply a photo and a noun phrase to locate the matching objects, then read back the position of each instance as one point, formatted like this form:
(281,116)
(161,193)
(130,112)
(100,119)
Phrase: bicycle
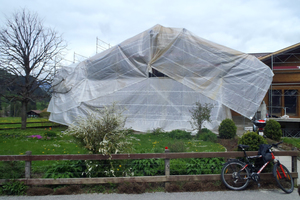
(237,173)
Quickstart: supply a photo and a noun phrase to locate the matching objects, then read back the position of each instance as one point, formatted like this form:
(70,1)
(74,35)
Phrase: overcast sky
(250,26)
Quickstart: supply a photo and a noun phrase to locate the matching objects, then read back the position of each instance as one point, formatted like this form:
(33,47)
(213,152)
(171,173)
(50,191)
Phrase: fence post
(167,167)
(294,167)
(27,165)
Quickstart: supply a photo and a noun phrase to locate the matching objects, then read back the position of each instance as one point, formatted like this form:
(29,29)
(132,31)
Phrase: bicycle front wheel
(235,176)
(283,178)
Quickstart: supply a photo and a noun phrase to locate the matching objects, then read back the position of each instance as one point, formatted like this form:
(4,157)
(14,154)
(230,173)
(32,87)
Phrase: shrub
(180,134)
(227,129)
(102,132)
(207,135)
(253,140)
(273,130)
(200,113)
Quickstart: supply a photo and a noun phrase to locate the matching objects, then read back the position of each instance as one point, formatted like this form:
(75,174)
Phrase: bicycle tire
(233,177)
(286,183)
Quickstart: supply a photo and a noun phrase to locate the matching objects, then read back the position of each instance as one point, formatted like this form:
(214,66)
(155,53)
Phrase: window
(284,102)
(276,102)
(290,102)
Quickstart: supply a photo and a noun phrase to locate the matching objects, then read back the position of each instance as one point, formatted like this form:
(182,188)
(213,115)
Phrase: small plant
(207,135)
(205,165)
(66,169)
(12,170)
(148,167)
(273,130)
(200,113)
(177,146)
(253,140)
(14,188)
(227,129)
(180,134)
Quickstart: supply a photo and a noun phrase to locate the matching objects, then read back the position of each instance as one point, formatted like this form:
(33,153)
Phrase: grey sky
(246,25)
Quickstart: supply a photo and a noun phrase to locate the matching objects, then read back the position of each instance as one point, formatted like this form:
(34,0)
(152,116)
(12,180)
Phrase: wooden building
(282,98)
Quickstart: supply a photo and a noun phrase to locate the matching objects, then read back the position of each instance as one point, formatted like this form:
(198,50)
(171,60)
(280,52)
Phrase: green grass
(4,122)
(150,143)
(17,142)
(18,120)
(294,141)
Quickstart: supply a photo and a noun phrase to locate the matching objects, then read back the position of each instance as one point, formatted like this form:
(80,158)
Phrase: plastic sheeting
(158,75)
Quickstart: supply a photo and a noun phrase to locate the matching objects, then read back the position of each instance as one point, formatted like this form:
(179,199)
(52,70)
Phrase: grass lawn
(293,141)
(17,142)
(150,143)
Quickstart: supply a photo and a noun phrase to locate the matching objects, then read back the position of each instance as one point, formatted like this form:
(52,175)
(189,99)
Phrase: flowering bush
(102,132)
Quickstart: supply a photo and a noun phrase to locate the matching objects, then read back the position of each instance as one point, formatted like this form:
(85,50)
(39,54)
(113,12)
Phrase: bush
(180,134)
(273,130)
(207,135)
(102,132)
(253,140)
(227,129)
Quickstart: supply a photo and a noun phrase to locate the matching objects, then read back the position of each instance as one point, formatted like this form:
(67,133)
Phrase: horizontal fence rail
(166,156)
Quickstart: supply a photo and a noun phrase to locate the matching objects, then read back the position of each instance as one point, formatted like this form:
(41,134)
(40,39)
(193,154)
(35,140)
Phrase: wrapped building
(158,75)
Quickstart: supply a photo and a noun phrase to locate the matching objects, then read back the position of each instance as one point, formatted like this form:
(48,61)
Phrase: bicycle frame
(264,166)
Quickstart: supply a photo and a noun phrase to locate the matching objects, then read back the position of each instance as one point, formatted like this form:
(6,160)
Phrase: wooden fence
(28,158)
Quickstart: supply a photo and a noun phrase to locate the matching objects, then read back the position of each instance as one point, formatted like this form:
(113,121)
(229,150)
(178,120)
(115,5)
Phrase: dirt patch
(39,191)
(229,144)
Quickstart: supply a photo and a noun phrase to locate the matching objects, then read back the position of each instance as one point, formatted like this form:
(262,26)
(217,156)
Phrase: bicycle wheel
(234,176)
(283,178)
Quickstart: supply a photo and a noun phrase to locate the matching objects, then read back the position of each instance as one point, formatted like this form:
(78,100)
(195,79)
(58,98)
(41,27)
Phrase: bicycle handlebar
(275,145)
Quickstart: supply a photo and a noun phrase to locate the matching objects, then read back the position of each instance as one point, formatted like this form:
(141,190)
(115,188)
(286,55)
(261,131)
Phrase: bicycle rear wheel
(234,176)
(283,178)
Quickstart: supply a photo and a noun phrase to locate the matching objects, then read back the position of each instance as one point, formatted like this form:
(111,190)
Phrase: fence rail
(28,158)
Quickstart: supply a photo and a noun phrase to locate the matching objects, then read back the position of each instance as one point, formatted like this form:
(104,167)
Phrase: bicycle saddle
(242,146)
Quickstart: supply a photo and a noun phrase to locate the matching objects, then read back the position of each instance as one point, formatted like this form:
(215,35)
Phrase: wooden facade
(283,95)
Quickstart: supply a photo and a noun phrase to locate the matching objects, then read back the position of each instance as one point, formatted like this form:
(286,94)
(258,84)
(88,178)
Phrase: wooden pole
(167,167)
(28,166)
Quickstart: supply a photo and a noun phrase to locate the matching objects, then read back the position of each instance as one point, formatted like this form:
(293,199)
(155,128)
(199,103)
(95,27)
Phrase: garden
(105,134)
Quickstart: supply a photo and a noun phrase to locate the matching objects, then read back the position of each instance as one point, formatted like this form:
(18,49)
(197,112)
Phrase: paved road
(220,195)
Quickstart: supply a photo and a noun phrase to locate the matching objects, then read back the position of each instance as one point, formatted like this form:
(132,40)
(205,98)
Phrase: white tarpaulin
(158,75)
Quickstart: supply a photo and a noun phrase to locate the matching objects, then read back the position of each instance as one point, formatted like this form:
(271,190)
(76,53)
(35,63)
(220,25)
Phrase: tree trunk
(24,114)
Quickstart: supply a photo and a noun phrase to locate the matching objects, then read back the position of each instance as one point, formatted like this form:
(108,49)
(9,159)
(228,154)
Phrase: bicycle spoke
(234,176)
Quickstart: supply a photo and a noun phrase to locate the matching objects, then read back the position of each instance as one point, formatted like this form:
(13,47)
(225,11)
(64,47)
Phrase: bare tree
(29,53)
